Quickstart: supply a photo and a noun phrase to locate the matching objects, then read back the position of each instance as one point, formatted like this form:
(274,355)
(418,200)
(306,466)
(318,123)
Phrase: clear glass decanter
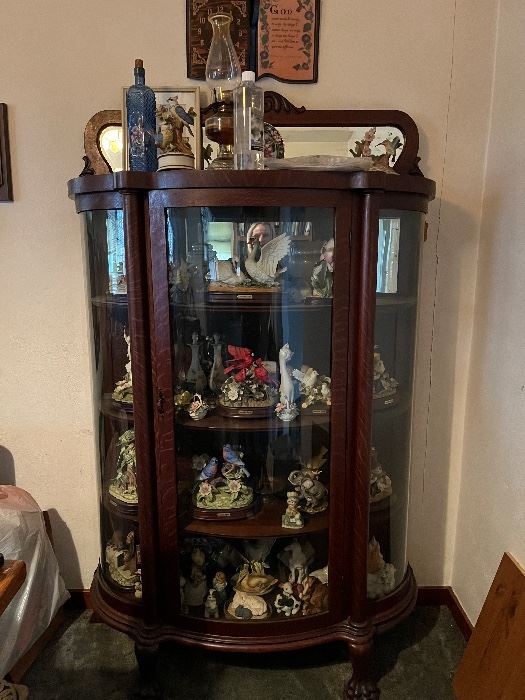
(223,75)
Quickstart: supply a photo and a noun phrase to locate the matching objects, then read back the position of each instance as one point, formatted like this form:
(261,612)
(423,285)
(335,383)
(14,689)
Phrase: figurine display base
(176,161)
(246,411)
(386,401)
(225,294)
(247,511)
(125,509)
(123,498)
(316,409)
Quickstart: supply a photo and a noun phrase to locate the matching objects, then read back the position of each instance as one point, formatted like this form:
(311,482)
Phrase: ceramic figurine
(183,605)
(182,399)
(138,586)
(227,490)
(179,278)
(248,385)
(313,494)
(261,262)
(380,482)
(380,575)
(286,602)
(248,607)
(322,279)
(173,120)
(195,375)
(217,374)
(258,549)
(383,384)
(286,409)
(220,586)
(198,408)
(251,584)
(124,485)
(211,608)
(252,579)
(383,161)
(195,588)
(321,574)
(124,388)
(316,389)
(362,148)
(292,517)
(313,595)
(297,558)
(121,559)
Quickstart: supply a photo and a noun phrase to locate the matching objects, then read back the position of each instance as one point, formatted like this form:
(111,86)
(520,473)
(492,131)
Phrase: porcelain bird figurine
(264,269)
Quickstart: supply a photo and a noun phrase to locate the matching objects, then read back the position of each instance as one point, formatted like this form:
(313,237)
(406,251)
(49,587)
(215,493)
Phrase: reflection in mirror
(387,255)
(337,140)
(110,145)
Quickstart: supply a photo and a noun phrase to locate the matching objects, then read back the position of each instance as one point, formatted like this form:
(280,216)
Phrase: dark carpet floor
(415,661)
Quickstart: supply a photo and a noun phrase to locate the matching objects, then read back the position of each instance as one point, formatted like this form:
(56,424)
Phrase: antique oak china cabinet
(255,437)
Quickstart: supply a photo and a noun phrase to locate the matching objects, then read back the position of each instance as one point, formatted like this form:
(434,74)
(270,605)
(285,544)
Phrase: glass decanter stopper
(223,75)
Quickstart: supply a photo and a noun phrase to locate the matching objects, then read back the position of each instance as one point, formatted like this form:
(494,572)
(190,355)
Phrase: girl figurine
(292,518)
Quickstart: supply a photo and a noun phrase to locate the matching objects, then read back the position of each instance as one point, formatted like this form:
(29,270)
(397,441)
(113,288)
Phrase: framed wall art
(6,185)
(274,38)
(178,125)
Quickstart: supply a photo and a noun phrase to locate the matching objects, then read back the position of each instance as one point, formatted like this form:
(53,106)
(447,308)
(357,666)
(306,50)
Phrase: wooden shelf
(255,306)
(120,300)
(386,300)
(216,422)
(126,511)
(266,523)
(113,409)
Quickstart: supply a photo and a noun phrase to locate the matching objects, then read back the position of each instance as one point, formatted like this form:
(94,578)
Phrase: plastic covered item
(23,536)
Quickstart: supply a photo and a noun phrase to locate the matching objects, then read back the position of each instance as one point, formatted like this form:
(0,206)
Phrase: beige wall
(61,63)
(492,496)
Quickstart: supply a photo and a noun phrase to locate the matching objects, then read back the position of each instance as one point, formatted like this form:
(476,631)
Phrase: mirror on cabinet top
(290,131)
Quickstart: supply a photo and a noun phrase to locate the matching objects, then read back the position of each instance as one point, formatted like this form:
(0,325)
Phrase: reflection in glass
(399,235)
(111,145)
(387,255)
(252,390)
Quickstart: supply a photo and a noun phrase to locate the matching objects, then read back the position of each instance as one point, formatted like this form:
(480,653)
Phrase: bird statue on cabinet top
(264,269)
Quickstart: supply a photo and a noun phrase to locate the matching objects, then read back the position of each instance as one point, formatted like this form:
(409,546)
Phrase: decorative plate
(341,163)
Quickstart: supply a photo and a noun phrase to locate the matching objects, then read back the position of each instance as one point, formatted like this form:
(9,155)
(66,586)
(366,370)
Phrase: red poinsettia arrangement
(243,362)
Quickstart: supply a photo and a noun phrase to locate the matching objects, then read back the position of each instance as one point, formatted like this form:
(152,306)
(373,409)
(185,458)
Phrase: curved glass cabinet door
(252,391)
(399,238)
(120,557)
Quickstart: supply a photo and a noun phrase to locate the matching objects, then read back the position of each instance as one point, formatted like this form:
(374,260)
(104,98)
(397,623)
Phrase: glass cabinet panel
(399,237)
(120,556)
(251,299)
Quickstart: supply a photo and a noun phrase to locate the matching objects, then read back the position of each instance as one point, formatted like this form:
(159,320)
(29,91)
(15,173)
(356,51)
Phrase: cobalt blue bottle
(140,107)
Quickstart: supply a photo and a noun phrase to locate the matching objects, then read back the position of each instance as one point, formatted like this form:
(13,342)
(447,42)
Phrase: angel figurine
(261,262)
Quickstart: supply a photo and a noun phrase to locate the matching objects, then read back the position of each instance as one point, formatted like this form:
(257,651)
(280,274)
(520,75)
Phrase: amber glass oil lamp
(223,75)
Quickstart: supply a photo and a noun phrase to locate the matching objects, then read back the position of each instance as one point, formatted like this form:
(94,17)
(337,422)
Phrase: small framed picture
(178,131)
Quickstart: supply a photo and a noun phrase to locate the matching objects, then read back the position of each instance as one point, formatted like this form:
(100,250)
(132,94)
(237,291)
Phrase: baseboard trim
(80,599)
(444,595)
(426,595)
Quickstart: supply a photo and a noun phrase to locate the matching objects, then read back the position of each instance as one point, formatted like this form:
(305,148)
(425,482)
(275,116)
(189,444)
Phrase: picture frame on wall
(174,106)
(6,185)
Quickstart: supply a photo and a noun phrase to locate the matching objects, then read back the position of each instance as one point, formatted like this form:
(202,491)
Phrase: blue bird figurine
(210,470)
(231,458)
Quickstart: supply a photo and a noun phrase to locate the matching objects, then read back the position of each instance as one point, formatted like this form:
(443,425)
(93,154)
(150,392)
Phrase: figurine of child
(219,586)
(292,518)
